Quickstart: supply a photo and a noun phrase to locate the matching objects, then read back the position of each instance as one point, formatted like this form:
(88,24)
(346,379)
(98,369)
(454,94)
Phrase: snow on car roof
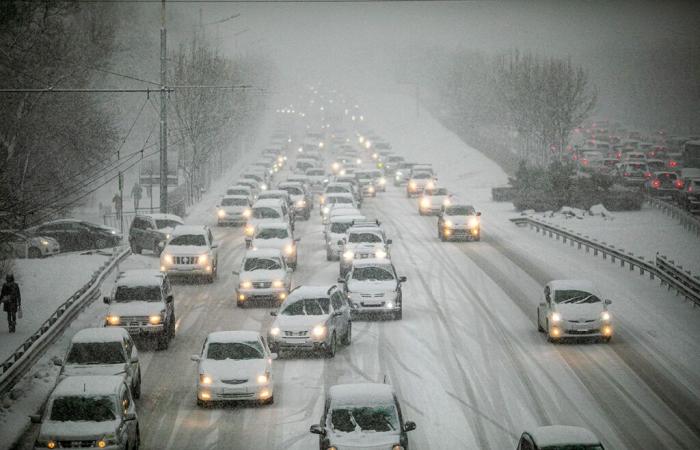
(140,278)
(189,229)
(290,184)
(573,285)
(273,225)
(161,216)
(563,435)
(360,394)
(268,203)
(106,334)
(346,219)
(274,192)
(88,385)
(339,194)
(237,197)
(263,253)
(233,336)
(239,186)
(371,262)
(307,292)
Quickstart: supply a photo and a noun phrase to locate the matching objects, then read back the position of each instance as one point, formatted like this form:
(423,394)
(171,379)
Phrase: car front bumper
(175,270)
(141,329)
(468,234)
(236,219)
(596,329)
(276,294)
(220,391)
(297,343)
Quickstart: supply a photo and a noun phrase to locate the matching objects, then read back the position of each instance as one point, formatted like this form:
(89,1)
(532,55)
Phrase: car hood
(299,322)
(366,246)
(185,250)
(137,308)
(76,431)
(364,440)
(459,220)
(93,369)
(366,287)
(586,311)
(255,222)
(263,275)
(230,368)
(271,243)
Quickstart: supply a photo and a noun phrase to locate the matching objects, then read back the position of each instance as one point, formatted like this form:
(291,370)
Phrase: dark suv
(152,231)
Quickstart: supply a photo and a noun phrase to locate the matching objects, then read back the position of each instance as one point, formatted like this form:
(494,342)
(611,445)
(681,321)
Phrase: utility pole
(163,116)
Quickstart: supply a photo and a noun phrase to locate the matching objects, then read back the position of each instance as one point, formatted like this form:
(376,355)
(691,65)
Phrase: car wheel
(137,444)
(441,235)
(606,340)
(330,353)
(347,339)
(539,325)
(269,401)
(162,341)
(34,253)
(329,257)
(135,249)
(398,315)
(137,389)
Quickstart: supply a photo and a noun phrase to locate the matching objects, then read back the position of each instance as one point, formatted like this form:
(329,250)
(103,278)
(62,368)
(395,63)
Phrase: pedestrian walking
(136,192)
(11,301)
(117,200)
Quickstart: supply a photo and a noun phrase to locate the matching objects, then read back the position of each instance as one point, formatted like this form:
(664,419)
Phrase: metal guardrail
(665,270)
(19,363)
(688,220)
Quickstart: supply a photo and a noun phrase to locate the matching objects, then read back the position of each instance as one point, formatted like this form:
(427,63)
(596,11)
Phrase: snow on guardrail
(19,363)
(664,269)
(688,220)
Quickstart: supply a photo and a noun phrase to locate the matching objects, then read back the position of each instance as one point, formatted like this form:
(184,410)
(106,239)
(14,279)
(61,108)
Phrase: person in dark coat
(11,300)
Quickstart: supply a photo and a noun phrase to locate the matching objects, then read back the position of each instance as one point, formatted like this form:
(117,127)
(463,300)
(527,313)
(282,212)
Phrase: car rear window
(234,202)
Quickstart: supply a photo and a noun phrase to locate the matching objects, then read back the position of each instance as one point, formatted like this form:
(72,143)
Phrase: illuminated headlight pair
(301,203)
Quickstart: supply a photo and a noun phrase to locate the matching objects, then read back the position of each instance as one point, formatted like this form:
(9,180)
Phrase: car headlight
(449,224)
(221,213)
(371,189)
(264,378)
(44,242)
(263,187)
(319,331)
(605,316)
(249,230)
(289,249)
(382,181)
(155,319)
(397,447)
(205,380)
(446,202)
(113,320)
(348,255)
(275,331)
(359,161)
(430,185)
(399,174)
(412,185)
(202,259)
(380,254)
(168,259)
(168,236)
(326,210)
(277,284)
(246,213)
(472,222)
(556,317)
(301,203)
(425,202)
(246,284)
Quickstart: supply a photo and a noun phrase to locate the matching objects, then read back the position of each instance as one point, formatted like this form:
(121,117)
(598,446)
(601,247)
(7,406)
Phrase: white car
(95,411)
(362,416)
(234,365)
(459,221)
(313,318)
(574,309)
(264,275)
(302,202)
(278,236)
(359,235)
(432,201)
(374,288)
(327,202)
(240,189)
(335,231)
(233,209)
(191,251)
(271,210)
(15,244)
(558,436)
(103,351)
(418,182)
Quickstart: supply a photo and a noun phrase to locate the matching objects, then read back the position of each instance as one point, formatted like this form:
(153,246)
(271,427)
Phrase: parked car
(234,365)
(313,318)
(75,235)
(264,275)
(559,437)
(89,412)
(374,288)
(574,309)
(16,244)
(152,231)
(103,351)
(143,304)
(233,210)
(364,415)
(459,221)
(191,252)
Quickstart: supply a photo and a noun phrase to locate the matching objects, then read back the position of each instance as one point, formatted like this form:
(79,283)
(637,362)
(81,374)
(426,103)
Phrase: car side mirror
(169,299)
(608,301)
(129,416)
(35,418)
(297,239)
(235,272)
(134,358)
(106,300)
(57,361)
(388,242)
(317,429)
(402,279)
(194,358)
(409,426)
(214,245)
(341,280)
(337,313)
(478,213)
(273,313)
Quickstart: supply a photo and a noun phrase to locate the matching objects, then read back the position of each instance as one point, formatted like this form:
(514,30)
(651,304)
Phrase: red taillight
(678,184)
(690,189)
(618,155)
(647,174)
(656,184)
(584,162)
(626,174)
(672,163)
(575,157)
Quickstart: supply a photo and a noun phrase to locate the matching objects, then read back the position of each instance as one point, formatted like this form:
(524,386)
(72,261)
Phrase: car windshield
(315,172)
(332,200)
(422,176)
(189,239)
(364,237)
(140,293)
(574,297)
(220,351)
(261,264)
(166,223)
(437,191)
(460,211)
(271,195)
(308,307)
(340,227)
(96,353)
(237,192)
(272,233)
(234,202)
(372,274)
(573,447)
(265,213)
(336,189)
(293,190)
(365,418)
(82,409)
